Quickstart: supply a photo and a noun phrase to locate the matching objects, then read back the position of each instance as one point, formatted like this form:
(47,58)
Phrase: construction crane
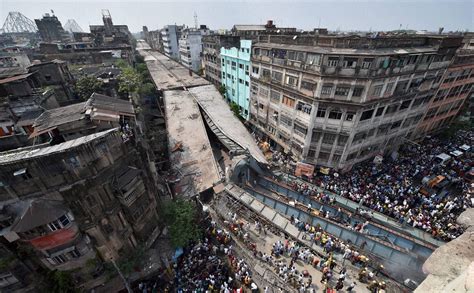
(18,23)
(72,26)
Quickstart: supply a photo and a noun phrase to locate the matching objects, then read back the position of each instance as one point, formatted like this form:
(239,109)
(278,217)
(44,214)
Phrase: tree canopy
(180,216)
(87,85)
(129,80)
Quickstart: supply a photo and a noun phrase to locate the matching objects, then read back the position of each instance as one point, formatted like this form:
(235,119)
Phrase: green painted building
(235,65)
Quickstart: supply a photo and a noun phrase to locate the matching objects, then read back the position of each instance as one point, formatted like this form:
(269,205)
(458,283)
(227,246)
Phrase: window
(275,96)
(246,83)
(59,259)
(350,116)
(336,158)
(388,89)
(349,62)
(275,115)
(277,76)
(366,115)
(286,120)
(327,89)
(241,66)
(391,109)
(396,124)
(342,140)
(75,253)
(357,92)
(55,225)
(241,81)
(266,73)
(333,61)
(303,107)
(301,129)
(329,138)
(379,111)
(254,69)
(308,85)
(288,101)
(291,80)
(352,156)
(405,105)
(311,153)
(342,91)
(313,59)
(377,90)
(323,156)
(321,113)
(367,63)
(64,219)
(335,114)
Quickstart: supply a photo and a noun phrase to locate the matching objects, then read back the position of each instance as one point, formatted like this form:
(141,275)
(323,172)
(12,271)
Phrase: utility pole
(125,282)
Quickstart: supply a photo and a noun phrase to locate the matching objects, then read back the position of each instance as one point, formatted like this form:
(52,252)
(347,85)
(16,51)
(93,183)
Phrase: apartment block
(235,70)
(335,101)
(456,87)
(170,36)
(190,47)
(211,55)
(71,201)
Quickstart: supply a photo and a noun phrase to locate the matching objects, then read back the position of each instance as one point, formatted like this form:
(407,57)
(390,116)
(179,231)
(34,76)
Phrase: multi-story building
(170,36)
(190,47)
(337,100)
(252,31)
(211,56)
(73,199)
(110,33)
(235,75)
(456,87)
(51,29)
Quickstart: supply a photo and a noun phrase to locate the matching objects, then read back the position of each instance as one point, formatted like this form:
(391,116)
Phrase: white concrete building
(170,36)
(190,47)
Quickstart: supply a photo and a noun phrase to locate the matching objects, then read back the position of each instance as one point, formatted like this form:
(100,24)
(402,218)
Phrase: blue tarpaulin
(177,253)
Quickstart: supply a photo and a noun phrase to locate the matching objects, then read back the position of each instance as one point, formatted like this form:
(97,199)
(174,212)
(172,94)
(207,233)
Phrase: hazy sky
(343,15)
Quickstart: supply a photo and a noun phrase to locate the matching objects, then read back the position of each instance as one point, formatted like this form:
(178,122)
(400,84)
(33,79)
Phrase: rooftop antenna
(195,20)
(52,11)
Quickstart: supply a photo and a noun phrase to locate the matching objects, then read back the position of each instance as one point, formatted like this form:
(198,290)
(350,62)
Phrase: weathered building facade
(85,195)
(211,55)
(170,36)
(335,100)
(456,87)
(190,47)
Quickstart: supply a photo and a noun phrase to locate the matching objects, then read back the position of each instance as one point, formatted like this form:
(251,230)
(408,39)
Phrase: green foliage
(180,216)
(222,89)
(139,58)
(120,63)
(142,68)
(235,108)
(131,259)
(147,89)
(60,282)
(87,85)
(129,80)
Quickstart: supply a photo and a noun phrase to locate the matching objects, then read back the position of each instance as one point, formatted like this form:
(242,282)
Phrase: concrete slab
(219,111)
(190,150)
(268,213)
(280,221)
(257,206)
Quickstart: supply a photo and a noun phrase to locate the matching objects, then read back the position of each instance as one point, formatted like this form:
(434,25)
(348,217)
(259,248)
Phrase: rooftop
(249,27)
(14,78)
(347,51)
(191,154)
(58,116)
(33,152)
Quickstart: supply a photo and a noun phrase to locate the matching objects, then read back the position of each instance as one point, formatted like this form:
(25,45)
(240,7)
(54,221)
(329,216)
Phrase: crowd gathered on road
(397,186)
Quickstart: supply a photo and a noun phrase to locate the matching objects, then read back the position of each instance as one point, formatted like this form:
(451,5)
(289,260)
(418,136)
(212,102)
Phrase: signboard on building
(304,169)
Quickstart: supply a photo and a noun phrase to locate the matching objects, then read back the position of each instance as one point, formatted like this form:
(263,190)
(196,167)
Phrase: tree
(87,85)
(129,80)
(142,68)
(235,108)
(222,90)
(147,89)
(180,216)
(120,63)
(60,282)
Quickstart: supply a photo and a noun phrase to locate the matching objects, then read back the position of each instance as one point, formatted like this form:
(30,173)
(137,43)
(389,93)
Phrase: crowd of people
(210,265)
(394,187)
